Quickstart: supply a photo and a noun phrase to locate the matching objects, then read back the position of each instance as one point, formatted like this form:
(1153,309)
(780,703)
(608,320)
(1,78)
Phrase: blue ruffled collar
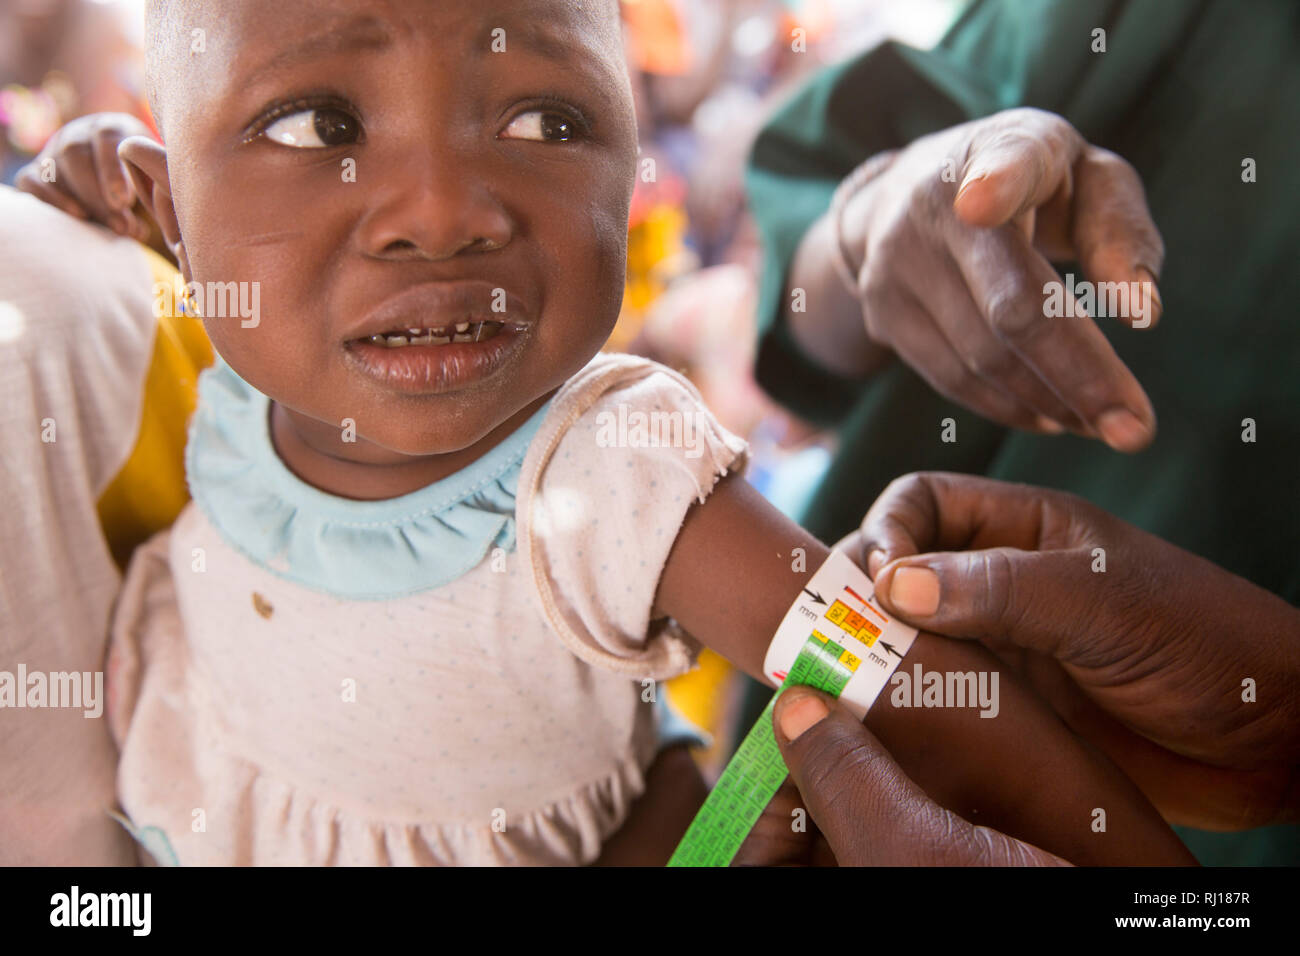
(366,550)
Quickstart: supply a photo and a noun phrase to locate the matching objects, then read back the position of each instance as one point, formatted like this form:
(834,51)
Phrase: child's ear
(146,163)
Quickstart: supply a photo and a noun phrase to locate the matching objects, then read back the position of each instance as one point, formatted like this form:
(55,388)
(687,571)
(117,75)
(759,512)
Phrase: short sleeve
(624,452)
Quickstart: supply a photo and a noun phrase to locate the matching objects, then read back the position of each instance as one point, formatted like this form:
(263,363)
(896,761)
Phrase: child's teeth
(465,332)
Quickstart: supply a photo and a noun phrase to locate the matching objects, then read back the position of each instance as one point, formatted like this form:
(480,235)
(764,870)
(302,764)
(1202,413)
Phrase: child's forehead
(553,26)
(246,39)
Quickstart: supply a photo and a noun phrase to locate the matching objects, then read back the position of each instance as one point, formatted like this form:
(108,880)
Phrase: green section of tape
(756,771)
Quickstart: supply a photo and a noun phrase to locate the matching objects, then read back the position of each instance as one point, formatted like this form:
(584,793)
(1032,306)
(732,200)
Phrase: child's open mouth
(439,336)
(443,335)
(437,358)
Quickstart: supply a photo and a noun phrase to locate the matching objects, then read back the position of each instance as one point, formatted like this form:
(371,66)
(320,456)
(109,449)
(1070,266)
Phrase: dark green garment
(1185,91)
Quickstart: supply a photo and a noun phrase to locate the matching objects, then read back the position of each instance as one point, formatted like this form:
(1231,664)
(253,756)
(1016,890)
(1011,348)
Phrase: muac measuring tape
(834,638)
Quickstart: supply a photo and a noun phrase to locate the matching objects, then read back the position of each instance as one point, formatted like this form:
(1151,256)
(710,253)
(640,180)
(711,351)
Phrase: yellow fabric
(149,491)
(702,697)
(655,245)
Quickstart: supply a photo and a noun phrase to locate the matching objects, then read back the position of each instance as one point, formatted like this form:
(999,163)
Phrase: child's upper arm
(733,572)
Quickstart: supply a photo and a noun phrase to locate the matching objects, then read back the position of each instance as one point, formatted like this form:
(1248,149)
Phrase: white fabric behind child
(76,334)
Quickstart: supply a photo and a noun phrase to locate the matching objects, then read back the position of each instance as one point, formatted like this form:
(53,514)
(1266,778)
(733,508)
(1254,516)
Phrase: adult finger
(1015,162)
(941,511)
(1037,598)
(783,835)
(1054,602)
(942,291)
(1027,306)
(973,557)
(895,317)
(29,181)
(79,176)
(113,182)
(871,813)
(1114,237)
(140,227)
(900,522)
(111,178)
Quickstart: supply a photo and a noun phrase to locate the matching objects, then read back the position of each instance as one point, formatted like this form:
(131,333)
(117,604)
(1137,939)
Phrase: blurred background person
(60,59)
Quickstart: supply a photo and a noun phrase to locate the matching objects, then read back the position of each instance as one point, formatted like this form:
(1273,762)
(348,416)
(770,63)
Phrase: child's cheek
(609,240)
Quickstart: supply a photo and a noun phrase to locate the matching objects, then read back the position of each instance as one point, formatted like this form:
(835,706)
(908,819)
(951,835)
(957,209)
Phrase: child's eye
(543,126)
(315,128)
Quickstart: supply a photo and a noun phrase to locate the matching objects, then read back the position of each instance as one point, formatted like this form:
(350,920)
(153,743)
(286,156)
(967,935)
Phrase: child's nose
(432,207)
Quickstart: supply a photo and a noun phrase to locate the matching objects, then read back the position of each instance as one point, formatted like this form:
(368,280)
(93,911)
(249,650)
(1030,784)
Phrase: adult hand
(951,246)
(869,811)
(78,171)
(783,835)
(1184,674)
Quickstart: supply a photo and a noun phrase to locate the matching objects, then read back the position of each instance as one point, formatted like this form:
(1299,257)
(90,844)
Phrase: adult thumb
(1036,599)
(869,810)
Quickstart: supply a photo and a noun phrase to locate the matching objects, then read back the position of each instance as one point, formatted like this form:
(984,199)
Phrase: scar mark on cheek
(266,238)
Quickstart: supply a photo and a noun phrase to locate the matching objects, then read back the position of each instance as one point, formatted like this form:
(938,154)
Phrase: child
(432,569)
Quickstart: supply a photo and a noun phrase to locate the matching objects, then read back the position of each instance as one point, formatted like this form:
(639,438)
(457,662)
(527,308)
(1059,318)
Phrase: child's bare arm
(730,580)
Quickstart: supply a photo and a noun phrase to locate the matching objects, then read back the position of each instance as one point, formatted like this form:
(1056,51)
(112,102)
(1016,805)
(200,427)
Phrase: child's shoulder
(626,449)
(610,373)
(630,410)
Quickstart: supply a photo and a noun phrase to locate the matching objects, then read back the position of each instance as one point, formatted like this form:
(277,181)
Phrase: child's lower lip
(431,369)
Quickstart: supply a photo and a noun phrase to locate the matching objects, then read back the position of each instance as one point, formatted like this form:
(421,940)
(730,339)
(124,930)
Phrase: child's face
(455,158)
